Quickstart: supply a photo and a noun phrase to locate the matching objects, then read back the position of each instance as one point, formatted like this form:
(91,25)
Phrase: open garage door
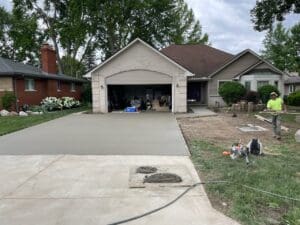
(156,97)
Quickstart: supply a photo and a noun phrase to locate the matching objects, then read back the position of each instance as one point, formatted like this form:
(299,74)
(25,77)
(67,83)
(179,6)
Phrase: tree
(282,47)
(267,12)
(20,40)
(79,29)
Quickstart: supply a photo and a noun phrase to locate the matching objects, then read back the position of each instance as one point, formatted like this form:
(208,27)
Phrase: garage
(143,97)
(139,75)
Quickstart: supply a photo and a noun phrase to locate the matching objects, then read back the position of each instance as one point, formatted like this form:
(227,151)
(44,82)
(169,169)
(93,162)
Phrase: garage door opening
(144,97)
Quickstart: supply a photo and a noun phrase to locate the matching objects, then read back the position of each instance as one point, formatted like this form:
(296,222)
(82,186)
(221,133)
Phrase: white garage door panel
(139,77)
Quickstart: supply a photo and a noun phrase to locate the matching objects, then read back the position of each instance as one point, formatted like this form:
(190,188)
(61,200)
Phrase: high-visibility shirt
(275,104)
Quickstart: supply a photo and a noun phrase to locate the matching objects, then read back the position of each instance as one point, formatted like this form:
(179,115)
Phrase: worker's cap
(274,93)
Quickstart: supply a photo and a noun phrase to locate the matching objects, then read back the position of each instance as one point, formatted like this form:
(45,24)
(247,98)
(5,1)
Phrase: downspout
(16,94)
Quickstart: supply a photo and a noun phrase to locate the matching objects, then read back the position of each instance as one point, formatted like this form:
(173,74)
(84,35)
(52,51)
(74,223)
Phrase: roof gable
(131,45)
(257,65)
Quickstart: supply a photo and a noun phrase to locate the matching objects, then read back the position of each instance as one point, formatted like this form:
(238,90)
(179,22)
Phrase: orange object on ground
(226,153)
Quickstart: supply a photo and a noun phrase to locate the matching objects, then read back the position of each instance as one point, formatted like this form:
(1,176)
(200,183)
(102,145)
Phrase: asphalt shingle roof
(11,68)
(293,80)
(200,59)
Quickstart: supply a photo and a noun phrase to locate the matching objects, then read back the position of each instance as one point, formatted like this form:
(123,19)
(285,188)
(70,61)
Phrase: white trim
(293,87)
(187,72)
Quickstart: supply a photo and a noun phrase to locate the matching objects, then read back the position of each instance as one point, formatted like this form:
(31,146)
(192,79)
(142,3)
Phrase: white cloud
(229,25)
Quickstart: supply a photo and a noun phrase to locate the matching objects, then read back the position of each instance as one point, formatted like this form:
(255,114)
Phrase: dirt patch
(224,129)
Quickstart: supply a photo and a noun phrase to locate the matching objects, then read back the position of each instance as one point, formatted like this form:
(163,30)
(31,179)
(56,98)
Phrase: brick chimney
(48,58)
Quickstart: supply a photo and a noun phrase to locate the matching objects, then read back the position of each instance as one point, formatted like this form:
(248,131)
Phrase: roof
(188,72)
(200,59)
(242,53)
(292,80)
(11,68)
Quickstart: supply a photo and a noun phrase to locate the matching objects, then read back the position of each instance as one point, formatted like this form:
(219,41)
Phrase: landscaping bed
(278,171)
(10,124)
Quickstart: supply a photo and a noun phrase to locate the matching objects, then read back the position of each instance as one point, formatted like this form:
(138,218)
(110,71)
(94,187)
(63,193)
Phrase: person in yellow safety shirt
(276,106)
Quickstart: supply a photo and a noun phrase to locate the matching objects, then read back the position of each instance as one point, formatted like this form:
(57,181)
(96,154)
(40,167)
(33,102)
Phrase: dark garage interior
(144,97)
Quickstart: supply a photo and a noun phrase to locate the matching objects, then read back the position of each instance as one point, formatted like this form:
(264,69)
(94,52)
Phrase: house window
(248,85)
(73,87)
(29,85)
(276,83)
(262,83)
(221,82)
(58,85)
(291,88)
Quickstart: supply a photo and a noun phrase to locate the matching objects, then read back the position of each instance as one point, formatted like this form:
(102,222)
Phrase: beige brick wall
(6,84)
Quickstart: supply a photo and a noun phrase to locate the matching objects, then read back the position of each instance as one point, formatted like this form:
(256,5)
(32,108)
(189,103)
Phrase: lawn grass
(10,124)
(278,173)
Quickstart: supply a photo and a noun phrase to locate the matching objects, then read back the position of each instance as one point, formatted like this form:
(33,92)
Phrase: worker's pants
(276,125)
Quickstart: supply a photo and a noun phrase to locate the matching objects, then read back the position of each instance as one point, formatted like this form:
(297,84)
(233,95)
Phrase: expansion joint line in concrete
(34,175)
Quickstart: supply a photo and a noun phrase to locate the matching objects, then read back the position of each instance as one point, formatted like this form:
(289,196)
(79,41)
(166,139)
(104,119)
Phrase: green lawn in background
(10,124)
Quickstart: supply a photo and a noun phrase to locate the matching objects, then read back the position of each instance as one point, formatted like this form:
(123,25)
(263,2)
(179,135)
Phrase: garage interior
(142,97)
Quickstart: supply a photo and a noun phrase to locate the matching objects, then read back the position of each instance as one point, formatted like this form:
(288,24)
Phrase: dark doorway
(194,92)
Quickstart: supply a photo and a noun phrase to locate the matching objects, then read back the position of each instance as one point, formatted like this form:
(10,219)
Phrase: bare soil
(223,129)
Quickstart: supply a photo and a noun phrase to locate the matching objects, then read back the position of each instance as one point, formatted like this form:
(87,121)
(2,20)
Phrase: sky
(227,23)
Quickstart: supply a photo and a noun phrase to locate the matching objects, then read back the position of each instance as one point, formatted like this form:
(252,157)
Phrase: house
(188,74)
(30,84)
(292,84)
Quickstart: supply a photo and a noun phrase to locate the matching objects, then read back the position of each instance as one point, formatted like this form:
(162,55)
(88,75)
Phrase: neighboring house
(30,84)
(292,84)
(190,74)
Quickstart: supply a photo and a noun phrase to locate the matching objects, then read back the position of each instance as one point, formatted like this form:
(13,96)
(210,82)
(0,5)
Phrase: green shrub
(265,91)
(8,99)
(232,92)
(294,99)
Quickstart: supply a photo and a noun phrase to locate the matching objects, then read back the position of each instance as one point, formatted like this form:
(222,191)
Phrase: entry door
(194,92)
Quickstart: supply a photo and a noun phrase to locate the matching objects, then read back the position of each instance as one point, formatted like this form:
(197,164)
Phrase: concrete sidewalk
(93,190)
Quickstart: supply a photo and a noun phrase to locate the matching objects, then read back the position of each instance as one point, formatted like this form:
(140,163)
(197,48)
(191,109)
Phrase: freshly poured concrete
(93,190)
(98,134)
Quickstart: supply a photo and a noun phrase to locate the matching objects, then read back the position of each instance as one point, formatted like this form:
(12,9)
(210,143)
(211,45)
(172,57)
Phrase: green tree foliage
(80,29)
(267,12)
(265,91)
(294,98)
(282,47)
(20,39)
(232,92)
(72,67)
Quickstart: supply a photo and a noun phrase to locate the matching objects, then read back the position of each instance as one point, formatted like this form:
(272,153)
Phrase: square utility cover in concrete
(252,128)
(136,180)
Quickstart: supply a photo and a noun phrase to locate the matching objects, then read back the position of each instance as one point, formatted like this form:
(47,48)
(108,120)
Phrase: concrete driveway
(94,190)
(110,134)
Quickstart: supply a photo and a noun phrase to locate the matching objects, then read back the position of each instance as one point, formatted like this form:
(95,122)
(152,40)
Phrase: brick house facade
(30,84)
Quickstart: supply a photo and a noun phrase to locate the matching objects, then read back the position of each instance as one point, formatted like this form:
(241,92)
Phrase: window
(262,83)
(29,85)
(276,83)
(73,87)
(291,88)
(221,82)
(58,85)
(248,85)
